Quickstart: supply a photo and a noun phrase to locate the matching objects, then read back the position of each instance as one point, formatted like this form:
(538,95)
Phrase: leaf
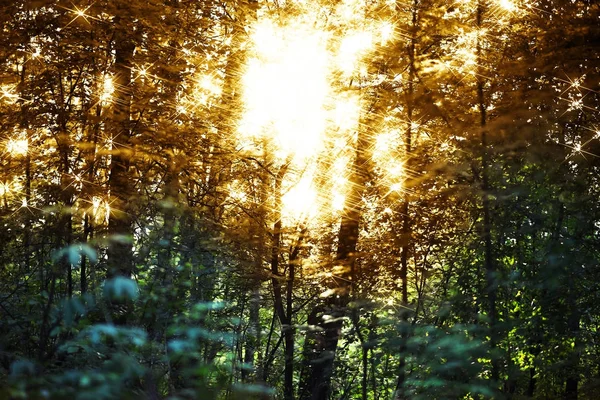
(22,368)
(209,305)
(253,389)
(55,331)
(121,239)
(74,252)
(121,288)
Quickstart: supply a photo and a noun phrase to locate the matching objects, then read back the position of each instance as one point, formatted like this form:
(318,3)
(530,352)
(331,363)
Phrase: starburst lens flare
(507,5)
(4,188)
(8,95)
(108,89)
(17,147)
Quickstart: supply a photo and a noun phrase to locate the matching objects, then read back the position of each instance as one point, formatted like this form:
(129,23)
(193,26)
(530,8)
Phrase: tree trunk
(120,257)
(342,278)
(490,269)
(406,230)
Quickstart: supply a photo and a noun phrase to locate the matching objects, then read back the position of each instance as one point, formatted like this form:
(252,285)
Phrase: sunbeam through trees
(299,199)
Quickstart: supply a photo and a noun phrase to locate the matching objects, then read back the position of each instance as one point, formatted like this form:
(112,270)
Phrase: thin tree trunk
(406,230)
(336,302)
(120,257)
(490,269)
(284,318)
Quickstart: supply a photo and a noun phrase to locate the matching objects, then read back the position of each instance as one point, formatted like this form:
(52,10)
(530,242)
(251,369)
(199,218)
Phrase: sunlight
(7,94)
(17,147)
(293,108)
(507,5)
(337,201)
(300,200)
(285,89)
(346,113)
(108,88)
(386,31)
(4,188)
(351,49)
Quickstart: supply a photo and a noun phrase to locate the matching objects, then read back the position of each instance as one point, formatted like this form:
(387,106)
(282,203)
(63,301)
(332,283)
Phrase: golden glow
(7,93)
(294,107)
(36,52)
(17,147)
(346,113)
(80,13)
(338,200)
(507,5)
(386,31)
(5,188)
(100,210)
(351,50)
(300,200)
(108,88)
(285,89)
(206,88)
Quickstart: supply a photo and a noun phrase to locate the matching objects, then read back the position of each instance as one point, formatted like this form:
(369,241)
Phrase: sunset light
(300,199)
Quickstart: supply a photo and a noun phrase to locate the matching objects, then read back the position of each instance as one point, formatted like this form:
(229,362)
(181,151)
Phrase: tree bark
(406,229)
(490,268)
(342,278)
(120,257)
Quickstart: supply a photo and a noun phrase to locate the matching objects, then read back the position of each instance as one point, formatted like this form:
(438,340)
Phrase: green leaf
(121,288)
(74,252)
(22,368)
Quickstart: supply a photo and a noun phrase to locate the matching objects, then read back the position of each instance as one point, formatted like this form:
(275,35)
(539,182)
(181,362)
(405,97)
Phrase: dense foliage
(299,199)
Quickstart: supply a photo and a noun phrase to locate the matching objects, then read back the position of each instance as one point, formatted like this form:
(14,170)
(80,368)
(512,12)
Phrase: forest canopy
(299,199)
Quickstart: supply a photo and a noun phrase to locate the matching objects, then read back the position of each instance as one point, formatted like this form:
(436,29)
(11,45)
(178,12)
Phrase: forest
(299,199)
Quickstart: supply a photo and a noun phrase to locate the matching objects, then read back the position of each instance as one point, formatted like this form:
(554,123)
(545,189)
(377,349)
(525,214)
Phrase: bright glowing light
(507,5)
(352,48)
(7,93)
(81,13)
(576,104)
(108,89)
(397,170)
(100,210)
(346,113)
(181,109)
(337,202)
(209,84)
(285,89)
(236,192)
(142,72)
(36,53)
(386,30)
(350,10)
(292,109)
(300,200)
(17,147)
(4,188)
